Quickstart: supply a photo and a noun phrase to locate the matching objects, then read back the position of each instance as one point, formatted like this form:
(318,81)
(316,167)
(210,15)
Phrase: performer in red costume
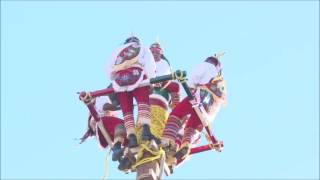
(129,66)
(106,110)
(208,88)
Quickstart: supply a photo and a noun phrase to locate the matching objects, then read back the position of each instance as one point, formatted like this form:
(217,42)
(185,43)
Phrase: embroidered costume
(129,66)
(208,88)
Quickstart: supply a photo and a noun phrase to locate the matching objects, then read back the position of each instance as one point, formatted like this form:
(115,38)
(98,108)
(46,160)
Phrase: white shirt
(202,74)
(162,68)
(145,58)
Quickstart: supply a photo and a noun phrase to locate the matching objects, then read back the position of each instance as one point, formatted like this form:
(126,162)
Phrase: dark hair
(88,133)
(132,39)
(164,58)
(213,60)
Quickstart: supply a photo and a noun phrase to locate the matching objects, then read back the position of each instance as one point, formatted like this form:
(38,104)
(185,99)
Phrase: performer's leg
(142,97)
(126,103)
(174,90)
(192,125)
(125,164)
(120,133)
(119,136)
(170,133)
(174,122)
(144,112)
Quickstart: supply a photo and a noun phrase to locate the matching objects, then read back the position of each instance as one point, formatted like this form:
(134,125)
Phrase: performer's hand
(171,105)
(218,146)
(157,85)
(194,103)
(192,90)
(85,97)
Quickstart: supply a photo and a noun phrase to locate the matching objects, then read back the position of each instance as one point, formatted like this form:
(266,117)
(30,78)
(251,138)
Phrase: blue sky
(51,50)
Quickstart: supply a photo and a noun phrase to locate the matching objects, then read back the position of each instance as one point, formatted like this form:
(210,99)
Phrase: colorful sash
(128,76)
(127,57)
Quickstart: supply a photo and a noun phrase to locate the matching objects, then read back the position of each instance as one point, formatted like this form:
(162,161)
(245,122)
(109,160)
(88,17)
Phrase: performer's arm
(111,62)
(149,63)
(197,75)
(202,74)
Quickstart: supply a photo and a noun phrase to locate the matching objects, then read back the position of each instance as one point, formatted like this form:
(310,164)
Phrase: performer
(208,87)
(130,65)
(163,67)
(106,107)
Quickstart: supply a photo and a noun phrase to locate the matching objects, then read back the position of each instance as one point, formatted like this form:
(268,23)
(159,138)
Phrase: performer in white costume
(169,89)
(129,66)
(208,87)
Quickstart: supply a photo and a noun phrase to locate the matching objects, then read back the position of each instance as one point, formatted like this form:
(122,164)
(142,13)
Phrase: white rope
(106,166)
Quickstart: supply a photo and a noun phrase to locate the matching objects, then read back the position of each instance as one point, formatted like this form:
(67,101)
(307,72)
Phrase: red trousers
(175,121)
(141,95)
(110,123)
(185,108)
(173,88)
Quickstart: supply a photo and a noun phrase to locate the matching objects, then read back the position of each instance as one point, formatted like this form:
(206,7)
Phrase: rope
(180,76)
(106,166)
(87,99)
(158,119)
(156,155)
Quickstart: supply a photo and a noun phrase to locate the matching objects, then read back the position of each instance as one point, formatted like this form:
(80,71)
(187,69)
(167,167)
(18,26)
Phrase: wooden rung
(148,171)
(166,169)
(150,176)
